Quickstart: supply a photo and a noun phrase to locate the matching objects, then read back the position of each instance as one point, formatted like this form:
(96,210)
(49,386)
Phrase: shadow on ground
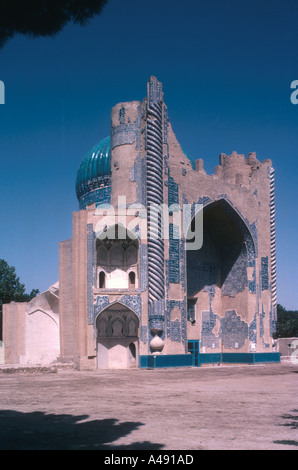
(292,423)
(40,431)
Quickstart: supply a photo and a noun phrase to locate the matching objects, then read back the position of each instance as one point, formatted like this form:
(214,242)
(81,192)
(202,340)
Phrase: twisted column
(154,147)
(272,239)
(154,199)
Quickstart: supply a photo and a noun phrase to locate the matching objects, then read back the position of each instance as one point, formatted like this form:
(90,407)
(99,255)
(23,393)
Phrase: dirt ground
(209,408)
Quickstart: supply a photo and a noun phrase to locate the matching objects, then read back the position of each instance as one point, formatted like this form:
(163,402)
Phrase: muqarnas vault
(127,300)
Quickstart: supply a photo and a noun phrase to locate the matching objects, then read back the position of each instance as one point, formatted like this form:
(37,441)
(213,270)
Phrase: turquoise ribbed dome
(95,168)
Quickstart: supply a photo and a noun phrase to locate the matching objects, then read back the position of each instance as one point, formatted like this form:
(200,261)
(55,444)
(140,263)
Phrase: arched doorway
(220,278)
(117,338)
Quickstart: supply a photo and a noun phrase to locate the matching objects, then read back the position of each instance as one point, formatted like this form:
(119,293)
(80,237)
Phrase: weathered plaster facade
(144,300)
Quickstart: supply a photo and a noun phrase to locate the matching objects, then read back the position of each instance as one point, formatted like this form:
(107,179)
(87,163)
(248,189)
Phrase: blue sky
(226,69)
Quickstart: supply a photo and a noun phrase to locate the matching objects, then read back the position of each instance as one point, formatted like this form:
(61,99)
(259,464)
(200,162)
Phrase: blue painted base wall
(187,360)
(239,358)
(170,360)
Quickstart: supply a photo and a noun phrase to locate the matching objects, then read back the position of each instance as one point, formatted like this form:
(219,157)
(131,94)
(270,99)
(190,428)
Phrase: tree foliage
(287,323)
(11,288)
(37,18)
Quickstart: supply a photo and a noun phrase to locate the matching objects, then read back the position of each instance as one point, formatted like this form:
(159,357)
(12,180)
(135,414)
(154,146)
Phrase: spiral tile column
(272,240)
(154,148)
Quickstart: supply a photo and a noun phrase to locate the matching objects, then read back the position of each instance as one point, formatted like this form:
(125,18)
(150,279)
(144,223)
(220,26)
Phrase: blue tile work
(259,306)
(167,277)
(123,134)
(172,328)
(234,330)
(174,254)
(157,316)
(132,173)
(236,279)
(252,330)
(90,271)
(138,174)
(155,93)
(252,244)
(156,319)
(139,130)
(134,302)
(204,200)
(99,196)
(95,169)
(170,305)
(264,273)
(182,265)
(252,283)
(143,266)
(183,309)
(208,339)
(176,331)
(165,124)
(208,275)
(200,274)
(173,192)
(102,301)
(122,115)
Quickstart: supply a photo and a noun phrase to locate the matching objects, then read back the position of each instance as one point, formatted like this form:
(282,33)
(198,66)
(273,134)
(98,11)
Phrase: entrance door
(117,338)
(193,348)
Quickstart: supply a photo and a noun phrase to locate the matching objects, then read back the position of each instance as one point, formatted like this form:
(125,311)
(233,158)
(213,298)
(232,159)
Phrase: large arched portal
(219,278)
(117,338)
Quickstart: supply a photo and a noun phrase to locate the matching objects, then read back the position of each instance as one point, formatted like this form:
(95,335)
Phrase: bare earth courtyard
(211,408)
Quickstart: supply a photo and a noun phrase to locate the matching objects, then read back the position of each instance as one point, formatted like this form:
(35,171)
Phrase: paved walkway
(226,407)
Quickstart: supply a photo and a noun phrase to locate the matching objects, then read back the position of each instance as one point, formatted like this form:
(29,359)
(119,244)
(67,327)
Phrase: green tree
(11,288)
(37,18)
(287,323)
